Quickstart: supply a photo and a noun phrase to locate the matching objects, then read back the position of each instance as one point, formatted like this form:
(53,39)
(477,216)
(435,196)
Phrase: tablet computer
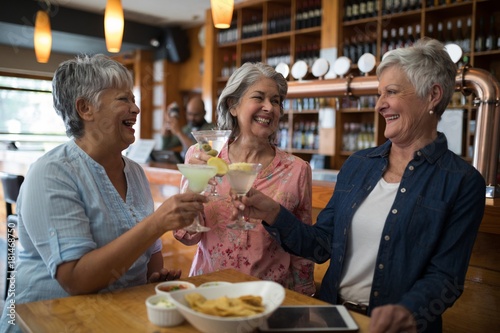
(310,318)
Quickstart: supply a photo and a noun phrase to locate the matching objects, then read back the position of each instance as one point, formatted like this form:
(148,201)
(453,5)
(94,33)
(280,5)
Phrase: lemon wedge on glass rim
(220,164)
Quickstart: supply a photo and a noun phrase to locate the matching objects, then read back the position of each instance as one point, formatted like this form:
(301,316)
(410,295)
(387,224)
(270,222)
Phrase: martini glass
(241,177)
(216,139)
(198,177)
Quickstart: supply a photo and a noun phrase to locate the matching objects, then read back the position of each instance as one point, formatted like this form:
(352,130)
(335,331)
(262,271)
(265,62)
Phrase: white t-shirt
(363,242)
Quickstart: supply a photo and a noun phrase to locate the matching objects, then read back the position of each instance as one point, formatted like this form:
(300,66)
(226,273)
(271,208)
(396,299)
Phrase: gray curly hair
(239,82)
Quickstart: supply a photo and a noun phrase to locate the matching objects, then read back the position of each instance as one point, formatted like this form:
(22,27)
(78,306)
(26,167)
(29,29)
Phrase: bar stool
(11,185)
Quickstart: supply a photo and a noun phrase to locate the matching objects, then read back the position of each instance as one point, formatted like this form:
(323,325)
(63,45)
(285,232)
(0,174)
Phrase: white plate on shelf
(341,66)
(299,69)
(283,69)
(320,67)
(366,63)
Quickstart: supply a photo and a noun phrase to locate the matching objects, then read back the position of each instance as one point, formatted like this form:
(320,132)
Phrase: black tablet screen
(306,317)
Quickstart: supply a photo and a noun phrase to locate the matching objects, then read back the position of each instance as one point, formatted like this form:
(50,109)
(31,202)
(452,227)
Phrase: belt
(353,306)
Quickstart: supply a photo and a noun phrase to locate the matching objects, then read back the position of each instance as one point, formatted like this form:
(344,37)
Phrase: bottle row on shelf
(360,9)
(302,104)
(308,15)
(305,135)
(357,136)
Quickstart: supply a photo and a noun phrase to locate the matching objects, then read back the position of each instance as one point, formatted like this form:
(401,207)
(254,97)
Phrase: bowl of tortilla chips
(238,307)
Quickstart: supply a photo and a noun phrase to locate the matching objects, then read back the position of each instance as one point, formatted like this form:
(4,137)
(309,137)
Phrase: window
(26,108)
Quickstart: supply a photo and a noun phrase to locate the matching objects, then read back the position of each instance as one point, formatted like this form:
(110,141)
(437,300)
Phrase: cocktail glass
(216,139)
(241,177)
(198,176)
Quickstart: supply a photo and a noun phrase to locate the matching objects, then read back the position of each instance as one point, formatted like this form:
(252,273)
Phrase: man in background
(176,138)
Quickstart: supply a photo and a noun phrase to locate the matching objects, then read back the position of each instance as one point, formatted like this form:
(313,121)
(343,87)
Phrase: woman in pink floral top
(251,106)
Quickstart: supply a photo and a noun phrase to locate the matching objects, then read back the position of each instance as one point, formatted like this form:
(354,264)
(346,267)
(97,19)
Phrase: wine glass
(198,176)
(241,177)
(216,139)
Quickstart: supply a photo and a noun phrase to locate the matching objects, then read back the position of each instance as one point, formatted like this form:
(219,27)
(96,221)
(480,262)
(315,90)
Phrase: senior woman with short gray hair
(86,217)
(400,226)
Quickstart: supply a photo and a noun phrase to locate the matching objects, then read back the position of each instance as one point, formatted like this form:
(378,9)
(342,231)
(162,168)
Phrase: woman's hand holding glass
(256,205)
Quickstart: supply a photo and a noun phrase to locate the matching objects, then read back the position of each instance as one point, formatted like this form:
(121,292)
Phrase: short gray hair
(425,63)
(239,82)
(85,77)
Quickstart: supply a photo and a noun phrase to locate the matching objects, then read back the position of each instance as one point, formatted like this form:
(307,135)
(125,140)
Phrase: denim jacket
(427,239)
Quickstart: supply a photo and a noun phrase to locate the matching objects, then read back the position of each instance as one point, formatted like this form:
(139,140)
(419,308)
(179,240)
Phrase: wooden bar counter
(125,310)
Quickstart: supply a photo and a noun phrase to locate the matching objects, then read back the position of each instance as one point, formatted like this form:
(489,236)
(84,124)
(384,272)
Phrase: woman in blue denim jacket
(400,226)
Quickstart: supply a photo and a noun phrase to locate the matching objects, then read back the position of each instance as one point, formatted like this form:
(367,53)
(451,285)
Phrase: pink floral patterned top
(288,179)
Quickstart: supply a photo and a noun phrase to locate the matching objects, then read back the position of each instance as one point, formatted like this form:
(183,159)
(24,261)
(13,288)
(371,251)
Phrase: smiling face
(110,122)
(407,117)
(258,111)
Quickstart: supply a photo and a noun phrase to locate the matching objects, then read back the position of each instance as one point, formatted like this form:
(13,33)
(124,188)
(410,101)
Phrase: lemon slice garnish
(241,166)
(220,164)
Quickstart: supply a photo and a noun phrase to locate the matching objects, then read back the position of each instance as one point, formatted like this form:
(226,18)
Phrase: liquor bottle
(401,38)
(417,32)
(459,36)
(404,5)
(348,10)
(491,40)
(466,44)
(480,38)
(410,40)
(355,9)
(448,35)
(371,10)
(384,45)
(440,35)
(430,31)
(388,7)
(305,15)
(362,9)
(393,40)
(299,16)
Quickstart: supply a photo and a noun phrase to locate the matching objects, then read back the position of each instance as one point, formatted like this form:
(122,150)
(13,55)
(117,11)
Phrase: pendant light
(43,37)
(113,25)
(222,13)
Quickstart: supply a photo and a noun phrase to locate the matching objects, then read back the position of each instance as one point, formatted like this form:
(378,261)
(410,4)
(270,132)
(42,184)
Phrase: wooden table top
(125,310)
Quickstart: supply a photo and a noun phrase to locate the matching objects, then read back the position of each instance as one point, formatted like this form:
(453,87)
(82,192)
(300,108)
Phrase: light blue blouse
(67,207)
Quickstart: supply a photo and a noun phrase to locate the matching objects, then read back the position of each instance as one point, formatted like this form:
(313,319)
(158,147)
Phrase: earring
(431,112)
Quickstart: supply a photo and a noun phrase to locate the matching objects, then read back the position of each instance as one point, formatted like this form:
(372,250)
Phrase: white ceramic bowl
(162,311)
(165,287)
(272,295)
(214,284)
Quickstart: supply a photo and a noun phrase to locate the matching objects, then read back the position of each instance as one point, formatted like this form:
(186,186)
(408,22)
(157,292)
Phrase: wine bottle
(417,32)
(371,10)
(355,9)
(480,38)
(490,41)
(467,36)
(410,40)
(348,10)
(448,35)
(362,9)
(430,30)
(440,34)
(459,36)
(384,46)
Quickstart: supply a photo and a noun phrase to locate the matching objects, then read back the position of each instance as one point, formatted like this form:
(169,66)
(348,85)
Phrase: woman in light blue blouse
(400,226)
(86,218)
